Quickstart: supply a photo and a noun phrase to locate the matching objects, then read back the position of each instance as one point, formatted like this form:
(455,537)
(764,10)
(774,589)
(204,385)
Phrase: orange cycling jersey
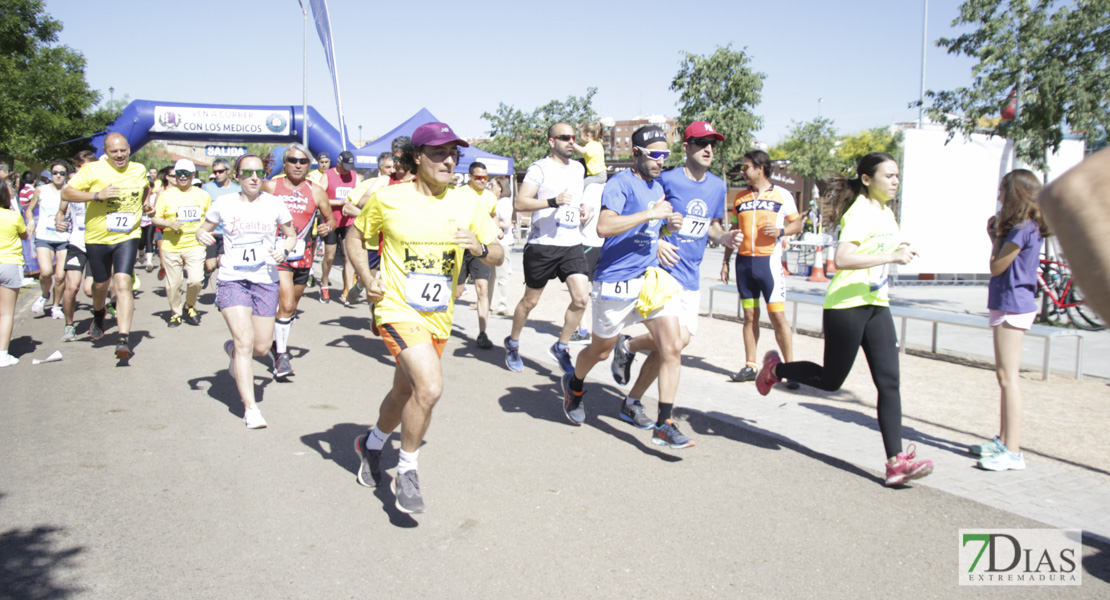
(753,210)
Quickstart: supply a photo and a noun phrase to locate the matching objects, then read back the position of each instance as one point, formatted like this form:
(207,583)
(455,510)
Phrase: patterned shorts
(262,298)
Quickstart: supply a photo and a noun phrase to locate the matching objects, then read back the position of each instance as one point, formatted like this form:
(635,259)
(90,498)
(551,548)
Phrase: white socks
(281,334)
(407,462)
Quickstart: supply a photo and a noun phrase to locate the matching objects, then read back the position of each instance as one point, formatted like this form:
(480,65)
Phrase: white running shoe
(39,306)
(252,418)
(56,312)
(7,360)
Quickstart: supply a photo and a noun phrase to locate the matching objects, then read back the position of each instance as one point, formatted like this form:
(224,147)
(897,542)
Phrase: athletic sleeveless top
(338,188)
(302,206)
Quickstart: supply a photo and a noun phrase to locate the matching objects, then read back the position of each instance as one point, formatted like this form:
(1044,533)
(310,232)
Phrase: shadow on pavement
(545,403)
(23,344)
(221,387)
(715,423)
(30,562)
(909,434)
(337,444)
(1097,564)
(367,346)
(699,363)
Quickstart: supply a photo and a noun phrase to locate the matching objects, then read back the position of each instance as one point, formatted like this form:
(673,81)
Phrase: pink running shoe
(766,378)
(907,468)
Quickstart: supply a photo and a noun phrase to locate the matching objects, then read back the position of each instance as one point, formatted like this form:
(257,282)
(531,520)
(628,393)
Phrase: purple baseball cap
(435,134)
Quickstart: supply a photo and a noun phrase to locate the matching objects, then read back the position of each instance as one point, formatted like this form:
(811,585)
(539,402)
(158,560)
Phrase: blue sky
(461,59)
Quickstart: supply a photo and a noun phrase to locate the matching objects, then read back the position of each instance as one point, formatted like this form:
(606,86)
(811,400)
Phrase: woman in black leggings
(857,307)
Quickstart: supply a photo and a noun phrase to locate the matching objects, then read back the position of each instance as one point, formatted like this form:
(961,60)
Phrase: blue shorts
(761,276)
(262,298)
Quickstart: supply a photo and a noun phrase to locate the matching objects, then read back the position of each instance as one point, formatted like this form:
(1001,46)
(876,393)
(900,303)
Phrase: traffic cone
(830,264)
(818,272)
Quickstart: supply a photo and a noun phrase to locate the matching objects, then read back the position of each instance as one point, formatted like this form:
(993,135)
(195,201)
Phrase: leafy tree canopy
(1054,53)
(523,136)
(723,90)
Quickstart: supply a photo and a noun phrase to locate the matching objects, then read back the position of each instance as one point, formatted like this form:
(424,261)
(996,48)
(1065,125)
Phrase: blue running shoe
(512,357)
(562,357)
(572,403)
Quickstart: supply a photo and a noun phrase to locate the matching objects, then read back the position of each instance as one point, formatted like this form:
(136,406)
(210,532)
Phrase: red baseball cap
(701,129)
(435,134)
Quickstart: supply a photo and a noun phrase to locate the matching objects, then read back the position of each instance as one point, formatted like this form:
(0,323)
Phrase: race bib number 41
(427,292)
(249,256)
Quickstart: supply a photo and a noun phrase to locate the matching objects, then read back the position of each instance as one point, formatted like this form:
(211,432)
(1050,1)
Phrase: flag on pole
(323,27)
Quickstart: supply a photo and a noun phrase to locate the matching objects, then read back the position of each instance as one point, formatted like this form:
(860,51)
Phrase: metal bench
(936,317)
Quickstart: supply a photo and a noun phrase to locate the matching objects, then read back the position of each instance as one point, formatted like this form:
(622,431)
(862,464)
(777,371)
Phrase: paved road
(139,480)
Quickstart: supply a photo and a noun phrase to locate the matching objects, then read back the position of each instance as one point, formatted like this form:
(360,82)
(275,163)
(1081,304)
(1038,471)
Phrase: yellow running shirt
(124,212)
(11,245)
(486,198)
(189,209)
(420,259)
(595,157)
(876,232)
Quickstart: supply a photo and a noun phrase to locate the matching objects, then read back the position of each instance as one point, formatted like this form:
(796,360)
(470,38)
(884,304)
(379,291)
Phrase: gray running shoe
(282,368)
(123,351)
(370,471)
(745,374)
(69,333)
(580,338)
(636,416)
(96,332)
(483,341)
(406,488)
(572,403)
(622,361)
(668,434)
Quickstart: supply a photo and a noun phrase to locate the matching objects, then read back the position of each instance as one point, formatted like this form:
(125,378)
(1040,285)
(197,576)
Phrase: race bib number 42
(121,222)
(427,292)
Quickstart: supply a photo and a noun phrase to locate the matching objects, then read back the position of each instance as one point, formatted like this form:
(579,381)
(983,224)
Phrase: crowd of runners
(628,247)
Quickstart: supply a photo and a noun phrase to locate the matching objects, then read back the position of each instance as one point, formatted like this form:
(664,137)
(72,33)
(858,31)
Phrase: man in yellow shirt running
(115,189)
(426,227)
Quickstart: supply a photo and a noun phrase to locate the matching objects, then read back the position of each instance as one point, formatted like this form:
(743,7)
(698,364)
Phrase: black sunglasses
(298,161)
(703,142)
(563,138)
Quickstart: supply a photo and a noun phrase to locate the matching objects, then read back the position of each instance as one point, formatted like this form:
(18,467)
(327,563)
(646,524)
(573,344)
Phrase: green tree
(523,136)
(851,148)
(1055,54)
(811,148)
(723,90)
(45,100)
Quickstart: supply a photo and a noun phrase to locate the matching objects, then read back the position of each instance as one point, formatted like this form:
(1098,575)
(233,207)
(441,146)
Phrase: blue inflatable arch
(144,121)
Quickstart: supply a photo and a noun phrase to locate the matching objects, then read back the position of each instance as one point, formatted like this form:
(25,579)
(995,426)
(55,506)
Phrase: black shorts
(75,258)
(592,256)
(374,258)
(215,250)
(300,276)
(544,263)
(474,267)
(336,235)
(104,259)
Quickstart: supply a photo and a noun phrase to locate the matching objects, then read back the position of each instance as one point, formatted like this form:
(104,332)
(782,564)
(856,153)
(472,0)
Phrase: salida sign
(1020,557)
(185,119)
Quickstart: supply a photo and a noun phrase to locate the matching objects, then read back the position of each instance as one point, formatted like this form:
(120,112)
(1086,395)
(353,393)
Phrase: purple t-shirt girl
(1013,290)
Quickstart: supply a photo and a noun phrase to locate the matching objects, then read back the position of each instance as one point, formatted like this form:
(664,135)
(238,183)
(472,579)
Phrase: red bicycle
(1062,297)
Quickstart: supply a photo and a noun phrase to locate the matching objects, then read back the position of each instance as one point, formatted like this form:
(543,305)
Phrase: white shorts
(611,316)
(1017,320)
(690,303)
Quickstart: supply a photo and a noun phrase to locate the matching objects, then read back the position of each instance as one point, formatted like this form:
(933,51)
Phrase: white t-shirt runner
(250,235)
(559,226)
(46,227)
(75,212)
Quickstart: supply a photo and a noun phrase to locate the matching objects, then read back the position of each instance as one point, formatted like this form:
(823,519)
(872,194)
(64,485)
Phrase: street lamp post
(360,136)
(304,108)
(819,107)
(111,95)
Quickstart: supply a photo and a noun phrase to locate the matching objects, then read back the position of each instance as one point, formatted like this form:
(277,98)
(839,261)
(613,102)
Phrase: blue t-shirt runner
(627,255)
(700,202)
